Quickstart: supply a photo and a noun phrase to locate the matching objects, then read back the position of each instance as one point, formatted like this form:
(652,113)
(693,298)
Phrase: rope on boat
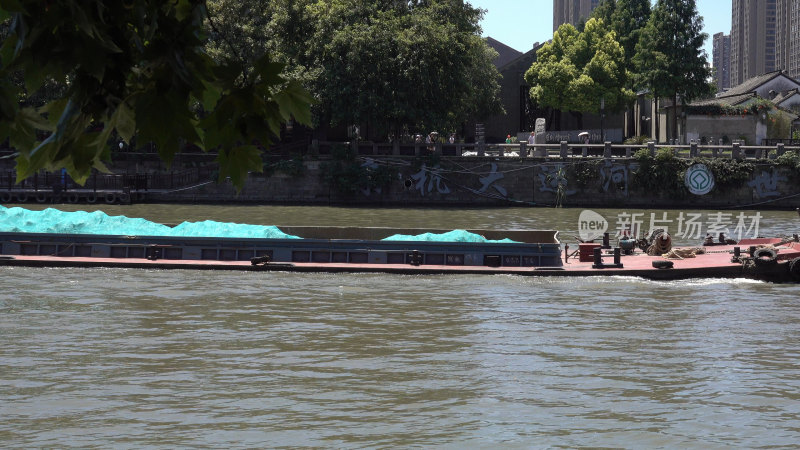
(683,253)
(661,242)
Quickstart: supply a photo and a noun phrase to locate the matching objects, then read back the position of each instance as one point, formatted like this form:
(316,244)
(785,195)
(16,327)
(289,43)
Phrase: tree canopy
(576,70)
(669,55)
(626,18)
(386,64)
(134,67)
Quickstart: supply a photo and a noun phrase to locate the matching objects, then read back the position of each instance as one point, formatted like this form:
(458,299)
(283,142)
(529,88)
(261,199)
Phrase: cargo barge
(354,250)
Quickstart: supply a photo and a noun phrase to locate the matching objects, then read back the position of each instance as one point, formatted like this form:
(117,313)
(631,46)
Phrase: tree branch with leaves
(133,68)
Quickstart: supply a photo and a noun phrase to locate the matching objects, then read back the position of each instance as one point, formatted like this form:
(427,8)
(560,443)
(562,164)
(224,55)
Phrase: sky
(521,23)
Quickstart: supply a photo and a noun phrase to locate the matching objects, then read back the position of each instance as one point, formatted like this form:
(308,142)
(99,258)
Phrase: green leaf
(124,121)
(268,71)
(8,50)
(237,162)
(294,101)
(31,117)
(8,101)
(211,95)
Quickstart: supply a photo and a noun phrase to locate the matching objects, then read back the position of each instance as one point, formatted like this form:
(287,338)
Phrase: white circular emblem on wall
(699,179)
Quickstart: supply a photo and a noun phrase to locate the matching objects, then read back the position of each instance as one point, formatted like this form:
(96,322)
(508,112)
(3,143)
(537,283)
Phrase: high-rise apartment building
(722,61)
(572,11)
(787,43)
(755,46)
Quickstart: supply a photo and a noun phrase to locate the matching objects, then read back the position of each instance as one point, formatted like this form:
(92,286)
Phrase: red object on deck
(586,251)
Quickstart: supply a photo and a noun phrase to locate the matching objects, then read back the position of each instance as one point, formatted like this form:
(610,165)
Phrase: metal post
(563,150)
(780,150)
(651,147)
(598,256)
(736,151)
(693,149)
(602,114)
(607,150)
(523,149)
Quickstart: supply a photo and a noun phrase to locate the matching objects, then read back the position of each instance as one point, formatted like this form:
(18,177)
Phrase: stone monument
(540,138)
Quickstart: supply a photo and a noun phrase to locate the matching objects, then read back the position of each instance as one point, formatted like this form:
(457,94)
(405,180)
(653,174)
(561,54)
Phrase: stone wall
(497,182)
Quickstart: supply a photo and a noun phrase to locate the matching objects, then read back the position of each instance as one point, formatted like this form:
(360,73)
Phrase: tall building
(722,61)
(571,11)
(754,33)
(787,43)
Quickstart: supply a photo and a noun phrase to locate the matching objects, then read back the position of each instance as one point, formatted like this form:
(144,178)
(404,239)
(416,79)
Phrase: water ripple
(186,358)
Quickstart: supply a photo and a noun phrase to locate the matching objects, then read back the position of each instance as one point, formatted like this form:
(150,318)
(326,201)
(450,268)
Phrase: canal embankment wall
(617,182)
(505,175)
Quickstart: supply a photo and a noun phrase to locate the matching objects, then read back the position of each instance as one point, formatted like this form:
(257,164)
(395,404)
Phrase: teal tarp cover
(50,220)
(450,236)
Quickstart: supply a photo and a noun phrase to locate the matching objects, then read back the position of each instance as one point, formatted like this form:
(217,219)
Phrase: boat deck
(716,262)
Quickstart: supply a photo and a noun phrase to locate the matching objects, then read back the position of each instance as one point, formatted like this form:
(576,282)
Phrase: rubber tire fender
(663,264)
(794,269)
(765,257)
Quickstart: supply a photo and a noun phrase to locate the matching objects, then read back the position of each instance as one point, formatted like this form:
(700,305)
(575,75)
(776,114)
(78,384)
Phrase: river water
(150,358)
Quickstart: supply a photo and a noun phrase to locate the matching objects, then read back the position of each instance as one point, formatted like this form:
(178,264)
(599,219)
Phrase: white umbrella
(583,134)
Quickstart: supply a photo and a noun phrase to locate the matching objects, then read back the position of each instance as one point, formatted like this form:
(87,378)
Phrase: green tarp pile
(21,220)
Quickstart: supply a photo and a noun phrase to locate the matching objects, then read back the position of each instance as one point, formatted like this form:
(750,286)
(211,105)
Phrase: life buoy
(22,197)
(91,198)
(111,198)
(794,269)
(765,256)
(73,197)
(41,197)
(5,197)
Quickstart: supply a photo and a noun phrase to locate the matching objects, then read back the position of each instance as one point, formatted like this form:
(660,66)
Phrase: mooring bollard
(598,257)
